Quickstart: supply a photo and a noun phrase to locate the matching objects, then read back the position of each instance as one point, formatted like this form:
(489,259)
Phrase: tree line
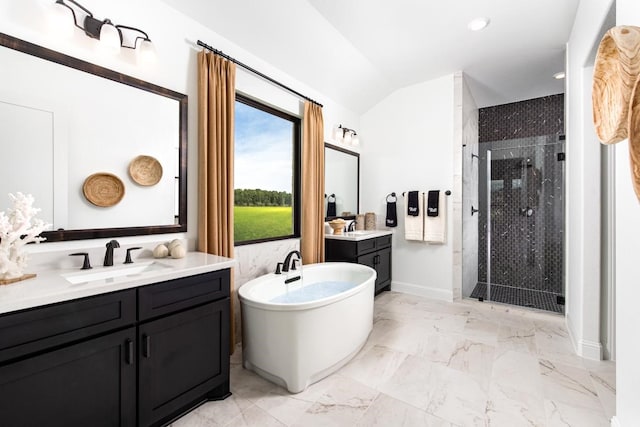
(257,197)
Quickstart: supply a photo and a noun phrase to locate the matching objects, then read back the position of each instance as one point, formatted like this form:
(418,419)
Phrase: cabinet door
(92,383)
(369,260)
(182,357)
(383,268)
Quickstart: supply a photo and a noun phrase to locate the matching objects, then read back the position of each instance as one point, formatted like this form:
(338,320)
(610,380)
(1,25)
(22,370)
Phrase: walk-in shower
(520,208)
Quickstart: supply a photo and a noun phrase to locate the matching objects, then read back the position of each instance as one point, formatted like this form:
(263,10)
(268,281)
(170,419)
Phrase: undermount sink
(105,273)
(361,232)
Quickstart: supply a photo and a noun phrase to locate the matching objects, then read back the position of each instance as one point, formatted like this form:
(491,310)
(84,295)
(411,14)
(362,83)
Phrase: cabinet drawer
(40,328)
(383,242)
(179,294)
(364,246)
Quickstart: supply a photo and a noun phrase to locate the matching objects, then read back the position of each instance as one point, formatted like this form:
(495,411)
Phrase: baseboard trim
(615,422)
(591,350)
(572,334)
(423,291)
(584,348)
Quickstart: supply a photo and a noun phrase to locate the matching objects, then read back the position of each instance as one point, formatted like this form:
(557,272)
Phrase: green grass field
(261,222)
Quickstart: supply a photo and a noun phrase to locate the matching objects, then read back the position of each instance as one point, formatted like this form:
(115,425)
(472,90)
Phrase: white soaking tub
(298,333)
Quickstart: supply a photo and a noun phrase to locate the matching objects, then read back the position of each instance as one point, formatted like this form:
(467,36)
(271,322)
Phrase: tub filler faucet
(289,264)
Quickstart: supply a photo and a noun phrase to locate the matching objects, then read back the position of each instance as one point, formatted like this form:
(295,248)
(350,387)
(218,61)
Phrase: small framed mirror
(341,182)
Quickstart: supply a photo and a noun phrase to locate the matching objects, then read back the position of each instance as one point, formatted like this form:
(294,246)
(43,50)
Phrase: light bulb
(347,137)
(110,37)
(338,134)
(355,140)
(146,52)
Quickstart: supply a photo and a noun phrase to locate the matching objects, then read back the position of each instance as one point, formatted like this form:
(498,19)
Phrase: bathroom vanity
(368,247)
(139,350)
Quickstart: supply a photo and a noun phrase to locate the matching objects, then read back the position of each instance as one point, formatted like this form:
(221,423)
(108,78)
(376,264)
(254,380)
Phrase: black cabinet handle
(129,344)
(146,343)
(376,259)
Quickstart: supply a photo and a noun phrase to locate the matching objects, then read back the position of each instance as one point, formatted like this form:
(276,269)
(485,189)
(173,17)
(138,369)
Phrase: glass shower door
(524,223)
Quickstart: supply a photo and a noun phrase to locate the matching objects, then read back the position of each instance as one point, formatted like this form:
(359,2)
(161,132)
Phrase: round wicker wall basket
(616,93)
(145,170)
(634,136)
(616,70)
(103,189)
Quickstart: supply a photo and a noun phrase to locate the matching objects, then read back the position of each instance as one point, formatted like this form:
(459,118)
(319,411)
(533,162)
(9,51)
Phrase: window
(267,173)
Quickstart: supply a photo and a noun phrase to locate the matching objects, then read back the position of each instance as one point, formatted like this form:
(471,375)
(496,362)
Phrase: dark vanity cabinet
(135,357)
(374,252)
(184,356)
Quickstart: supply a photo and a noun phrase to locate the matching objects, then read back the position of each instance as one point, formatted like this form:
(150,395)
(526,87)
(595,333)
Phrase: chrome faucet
(108,256)
(288,263)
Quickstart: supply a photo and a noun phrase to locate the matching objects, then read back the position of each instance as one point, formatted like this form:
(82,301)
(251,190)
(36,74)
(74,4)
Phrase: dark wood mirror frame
(68,61)
(357,156)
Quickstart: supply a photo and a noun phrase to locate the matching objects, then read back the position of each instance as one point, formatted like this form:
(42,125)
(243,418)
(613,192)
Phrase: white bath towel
(414,225)
(435,227)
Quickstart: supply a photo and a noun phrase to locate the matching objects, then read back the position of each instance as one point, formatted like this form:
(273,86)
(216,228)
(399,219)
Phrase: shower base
(519,296)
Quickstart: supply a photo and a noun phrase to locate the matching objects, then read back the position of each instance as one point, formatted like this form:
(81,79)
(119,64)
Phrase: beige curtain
(312,230)
(216,101)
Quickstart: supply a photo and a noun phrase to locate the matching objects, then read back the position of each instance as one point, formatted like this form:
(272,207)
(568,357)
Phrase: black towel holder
(446,193)
(391,195)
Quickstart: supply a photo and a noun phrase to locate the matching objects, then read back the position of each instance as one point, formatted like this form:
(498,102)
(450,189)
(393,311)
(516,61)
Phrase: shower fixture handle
(528,211)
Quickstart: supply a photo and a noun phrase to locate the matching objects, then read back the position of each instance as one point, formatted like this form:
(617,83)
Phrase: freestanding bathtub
(298,333)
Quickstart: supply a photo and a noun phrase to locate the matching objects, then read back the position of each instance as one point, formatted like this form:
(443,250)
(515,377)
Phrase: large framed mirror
(341,182)
(64,120)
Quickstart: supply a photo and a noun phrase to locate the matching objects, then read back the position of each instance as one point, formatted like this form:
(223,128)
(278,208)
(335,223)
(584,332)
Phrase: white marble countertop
(359,235)
(51,286)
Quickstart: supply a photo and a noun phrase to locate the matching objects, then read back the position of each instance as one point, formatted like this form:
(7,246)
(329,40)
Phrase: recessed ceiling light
(559,76)
(478,24)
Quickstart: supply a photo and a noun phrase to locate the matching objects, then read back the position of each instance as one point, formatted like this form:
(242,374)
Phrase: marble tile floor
(432,363)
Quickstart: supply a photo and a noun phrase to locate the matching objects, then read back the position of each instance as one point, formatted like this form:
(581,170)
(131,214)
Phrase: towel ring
(330,197)
(395,199)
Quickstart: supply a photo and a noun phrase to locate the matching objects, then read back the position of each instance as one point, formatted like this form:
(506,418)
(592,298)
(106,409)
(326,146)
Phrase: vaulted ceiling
(359,51)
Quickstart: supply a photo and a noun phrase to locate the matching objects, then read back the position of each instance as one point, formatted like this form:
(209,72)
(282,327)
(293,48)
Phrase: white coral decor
(17,228)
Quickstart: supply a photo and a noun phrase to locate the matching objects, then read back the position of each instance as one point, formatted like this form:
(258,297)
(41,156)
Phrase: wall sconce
(111,36)
(345,135)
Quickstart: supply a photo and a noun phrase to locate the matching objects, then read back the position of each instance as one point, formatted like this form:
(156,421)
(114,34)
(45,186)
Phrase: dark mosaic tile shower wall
(534,117)
(527,190)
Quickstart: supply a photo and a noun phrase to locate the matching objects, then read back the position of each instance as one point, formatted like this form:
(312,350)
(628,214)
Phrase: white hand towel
(414,225)
(435,227)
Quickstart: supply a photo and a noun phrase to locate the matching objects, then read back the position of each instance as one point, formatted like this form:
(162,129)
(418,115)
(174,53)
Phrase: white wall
(583,185)
(408,145)
(470,142)
(174,36)
(627,243)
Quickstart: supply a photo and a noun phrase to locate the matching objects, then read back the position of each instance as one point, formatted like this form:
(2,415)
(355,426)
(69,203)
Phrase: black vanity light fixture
(345,135)
(112,36)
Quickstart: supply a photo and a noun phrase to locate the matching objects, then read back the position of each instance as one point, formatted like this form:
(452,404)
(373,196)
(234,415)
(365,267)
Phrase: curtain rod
(256,72)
